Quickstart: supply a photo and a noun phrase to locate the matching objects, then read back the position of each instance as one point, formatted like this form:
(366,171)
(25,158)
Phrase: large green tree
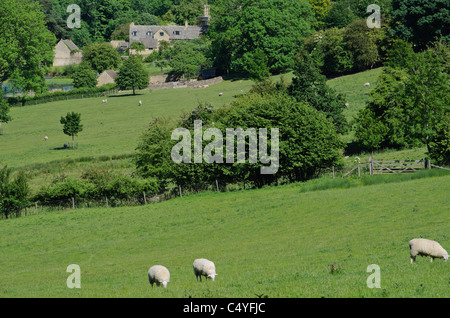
(132,75)
(101,56)
(409,104)
(26,45)
(276,27)
(310,86)
(84,76)
(421,21)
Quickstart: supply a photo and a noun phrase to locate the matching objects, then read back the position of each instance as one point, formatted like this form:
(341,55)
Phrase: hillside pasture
(276,242)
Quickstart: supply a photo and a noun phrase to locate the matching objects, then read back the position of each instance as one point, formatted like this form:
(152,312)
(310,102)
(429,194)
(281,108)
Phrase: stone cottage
(107,77)
(66,53)
(152,35)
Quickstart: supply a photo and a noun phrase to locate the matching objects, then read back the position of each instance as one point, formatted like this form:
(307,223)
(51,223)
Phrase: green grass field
(277,242)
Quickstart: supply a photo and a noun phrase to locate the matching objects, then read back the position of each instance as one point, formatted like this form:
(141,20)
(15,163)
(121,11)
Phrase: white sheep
(366,84)
(425,247)
(159,274)
(140,103)
(45,138)
(204,267)
(220,94)
(104,101)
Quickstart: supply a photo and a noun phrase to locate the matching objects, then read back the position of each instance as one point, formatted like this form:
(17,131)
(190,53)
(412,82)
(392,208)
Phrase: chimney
(206,10)
(186,24)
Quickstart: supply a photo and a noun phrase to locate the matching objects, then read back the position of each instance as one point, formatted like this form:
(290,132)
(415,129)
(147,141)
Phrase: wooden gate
(396,166)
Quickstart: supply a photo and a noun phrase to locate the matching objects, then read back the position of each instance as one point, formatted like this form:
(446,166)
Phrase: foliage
(400,54)
(101,56)
(13,192)
(186,10)
(420,21)
(94,184)
(340,15)
(409,105)
(132,75)
(363,42)
(26,46)
(329,51)
(440,142)
(308,141)
(321,9)
(4,109)
(184,59)
(72,125)
(84,76)
(276,27)
(309,86)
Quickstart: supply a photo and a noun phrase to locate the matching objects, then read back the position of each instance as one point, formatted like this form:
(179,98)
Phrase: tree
(184,59)
(420,21)
(363,42)
(274,26)
(84,76)
(72,125)
(4,109)
(310,86)
(132,75)
(26,45)
(101,56)
(340,15)
(13,193)
(411,103)
(321,8)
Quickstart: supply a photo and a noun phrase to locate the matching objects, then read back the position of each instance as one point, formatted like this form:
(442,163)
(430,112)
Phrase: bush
(13,192)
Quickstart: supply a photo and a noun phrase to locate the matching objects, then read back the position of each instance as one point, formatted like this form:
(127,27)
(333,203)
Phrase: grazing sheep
(140,103)
(104,101)
(366,84)
(425,247)
(204,267)
(45,138)
(159,274)
(347,105)
(220,94)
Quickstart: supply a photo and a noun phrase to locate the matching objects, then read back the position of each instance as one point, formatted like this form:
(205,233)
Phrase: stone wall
(154,84)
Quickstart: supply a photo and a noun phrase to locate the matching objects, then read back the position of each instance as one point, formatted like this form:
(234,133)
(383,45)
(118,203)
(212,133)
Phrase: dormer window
(134,33)
(161,33)
(176,32)
(149,33)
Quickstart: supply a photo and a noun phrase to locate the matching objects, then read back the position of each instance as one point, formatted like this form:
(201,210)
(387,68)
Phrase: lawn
(276,242)
(109,129)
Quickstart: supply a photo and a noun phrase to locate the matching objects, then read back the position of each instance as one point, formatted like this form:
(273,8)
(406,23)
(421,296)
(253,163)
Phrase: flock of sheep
(160,275)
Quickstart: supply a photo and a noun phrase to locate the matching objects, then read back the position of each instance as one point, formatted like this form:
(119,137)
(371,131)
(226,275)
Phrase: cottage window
(176,32)
(161,33)
(149,33)
(134,33)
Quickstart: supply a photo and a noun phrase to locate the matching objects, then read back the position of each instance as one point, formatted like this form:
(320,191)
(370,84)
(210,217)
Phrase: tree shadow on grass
(125,95)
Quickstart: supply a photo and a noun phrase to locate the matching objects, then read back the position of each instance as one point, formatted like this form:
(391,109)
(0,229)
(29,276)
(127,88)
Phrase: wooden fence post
(333,172)
(35,204)
(179,188)
(145,200)
(107,204)
(217,186)
(359,171)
